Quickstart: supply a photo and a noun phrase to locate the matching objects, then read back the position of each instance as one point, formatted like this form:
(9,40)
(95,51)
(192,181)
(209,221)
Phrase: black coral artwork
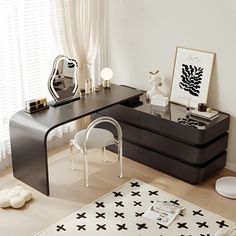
(191,79)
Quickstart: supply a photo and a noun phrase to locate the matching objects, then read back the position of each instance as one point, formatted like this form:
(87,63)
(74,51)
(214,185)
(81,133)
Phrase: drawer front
(191,154)
(122,113)
(172,130)
(189,173)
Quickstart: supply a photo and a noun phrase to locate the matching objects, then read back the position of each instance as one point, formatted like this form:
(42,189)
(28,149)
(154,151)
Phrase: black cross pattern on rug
(137,203)
(139,214)
(175,202)
(135,193)
(60,227)
(153,193)
(81,227)
(82,215)
(182,225)
(100,215)
(134,184)
(117,194)
(119,204)
(122,227)
(204,235)
(222,224)
(202,224)
(103,227)
(162,226)
(121,214)
(142,226)
(181,213)
(99,204)
(197,213)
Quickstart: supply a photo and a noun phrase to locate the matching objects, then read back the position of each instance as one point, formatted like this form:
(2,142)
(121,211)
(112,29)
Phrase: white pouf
(226,186)
(15,197)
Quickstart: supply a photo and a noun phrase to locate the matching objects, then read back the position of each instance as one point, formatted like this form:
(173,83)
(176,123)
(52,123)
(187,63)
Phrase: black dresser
(171,140)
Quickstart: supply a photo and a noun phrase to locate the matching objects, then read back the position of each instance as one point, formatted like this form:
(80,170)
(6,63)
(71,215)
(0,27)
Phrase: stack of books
(205,114)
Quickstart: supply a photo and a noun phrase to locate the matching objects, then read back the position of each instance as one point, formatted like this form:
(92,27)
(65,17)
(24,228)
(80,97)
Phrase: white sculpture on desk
(155,95)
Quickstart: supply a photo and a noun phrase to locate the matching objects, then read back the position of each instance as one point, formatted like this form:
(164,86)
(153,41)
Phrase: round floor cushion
(226,186)
(15,197)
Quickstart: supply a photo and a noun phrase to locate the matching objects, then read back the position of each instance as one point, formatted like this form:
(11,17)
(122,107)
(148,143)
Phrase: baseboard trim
(230,166)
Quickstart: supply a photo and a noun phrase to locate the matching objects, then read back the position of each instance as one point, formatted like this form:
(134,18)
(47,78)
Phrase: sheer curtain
(29,42)
(81,35)
(33,33)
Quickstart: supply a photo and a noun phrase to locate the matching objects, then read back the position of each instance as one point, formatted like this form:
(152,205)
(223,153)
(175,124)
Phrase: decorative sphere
(106,73)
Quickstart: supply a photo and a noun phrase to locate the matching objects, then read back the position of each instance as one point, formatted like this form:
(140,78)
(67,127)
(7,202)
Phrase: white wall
(143,35)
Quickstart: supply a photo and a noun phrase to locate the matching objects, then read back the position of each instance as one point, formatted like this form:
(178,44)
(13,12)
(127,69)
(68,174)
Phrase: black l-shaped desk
(28,132)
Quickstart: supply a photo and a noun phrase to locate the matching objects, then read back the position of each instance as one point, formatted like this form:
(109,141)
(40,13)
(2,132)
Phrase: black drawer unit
(173,141)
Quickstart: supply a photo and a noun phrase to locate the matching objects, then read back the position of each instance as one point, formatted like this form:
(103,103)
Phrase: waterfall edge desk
(28,132)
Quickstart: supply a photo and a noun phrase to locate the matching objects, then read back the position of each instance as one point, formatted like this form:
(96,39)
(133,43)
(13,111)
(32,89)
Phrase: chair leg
(85,168)
(71,158)
(104,154)
(120,160)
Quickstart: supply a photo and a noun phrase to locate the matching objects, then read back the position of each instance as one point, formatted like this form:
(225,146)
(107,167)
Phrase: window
(29,43)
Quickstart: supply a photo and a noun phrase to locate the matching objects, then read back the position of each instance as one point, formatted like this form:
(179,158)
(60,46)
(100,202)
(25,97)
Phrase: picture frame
(191,76)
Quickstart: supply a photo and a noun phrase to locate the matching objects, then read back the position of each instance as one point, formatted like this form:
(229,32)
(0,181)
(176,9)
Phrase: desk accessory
(36,105)
(205,114)
(155,95)
(202,107)
(191,76)
(106,75)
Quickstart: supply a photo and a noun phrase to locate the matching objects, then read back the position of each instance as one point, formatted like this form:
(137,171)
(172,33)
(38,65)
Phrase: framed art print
(191,76)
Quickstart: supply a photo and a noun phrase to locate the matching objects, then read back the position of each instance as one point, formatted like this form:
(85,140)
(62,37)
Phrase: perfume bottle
(87,86)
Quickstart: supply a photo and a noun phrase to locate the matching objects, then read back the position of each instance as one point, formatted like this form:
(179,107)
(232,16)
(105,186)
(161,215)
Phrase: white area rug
(121,213)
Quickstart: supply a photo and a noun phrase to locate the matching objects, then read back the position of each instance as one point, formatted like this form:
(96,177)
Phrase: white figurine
(155,95)
(156,82)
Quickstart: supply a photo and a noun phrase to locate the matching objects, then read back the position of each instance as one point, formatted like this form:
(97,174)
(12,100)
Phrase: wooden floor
(69,194)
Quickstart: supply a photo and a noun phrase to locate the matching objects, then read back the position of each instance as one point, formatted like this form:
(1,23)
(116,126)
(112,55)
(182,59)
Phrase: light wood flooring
(67,191)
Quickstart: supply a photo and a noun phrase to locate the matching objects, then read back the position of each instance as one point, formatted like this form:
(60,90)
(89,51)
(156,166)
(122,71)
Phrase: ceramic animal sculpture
(156,83)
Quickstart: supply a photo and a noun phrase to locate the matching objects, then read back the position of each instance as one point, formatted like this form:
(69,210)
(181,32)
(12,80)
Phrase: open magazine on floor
(163,212)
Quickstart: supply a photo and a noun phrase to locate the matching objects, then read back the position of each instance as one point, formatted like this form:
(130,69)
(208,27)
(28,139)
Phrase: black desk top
(48,119)
(179,114)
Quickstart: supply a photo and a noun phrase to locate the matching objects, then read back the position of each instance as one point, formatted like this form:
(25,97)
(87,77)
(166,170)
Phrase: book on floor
(163,212)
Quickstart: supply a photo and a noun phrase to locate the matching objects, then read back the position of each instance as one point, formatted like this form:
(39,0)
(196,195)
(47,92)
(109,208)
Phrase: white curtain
(33,33)
(84,22)
(29,42)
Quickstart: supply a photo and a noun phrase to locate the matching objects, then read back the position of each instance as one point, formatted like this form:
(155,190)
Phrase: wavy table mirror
(62,83)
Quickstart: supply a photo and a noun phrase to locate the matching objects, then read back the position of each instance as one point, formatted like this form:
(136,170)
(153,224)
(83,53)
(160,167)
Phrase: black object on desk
(28,132)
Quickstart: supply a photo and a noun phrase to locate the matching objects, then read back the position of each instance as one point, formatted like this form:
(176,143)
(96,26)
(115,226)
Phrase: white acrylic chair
(92,137)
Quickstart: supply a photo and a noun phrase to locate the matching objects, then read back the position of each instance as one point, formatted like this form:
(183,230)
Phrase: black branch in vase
(191,79)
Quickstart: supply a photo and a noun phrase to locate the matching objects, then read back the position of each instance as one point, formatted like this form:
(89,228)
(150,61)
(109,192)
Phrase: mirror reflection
(62,82)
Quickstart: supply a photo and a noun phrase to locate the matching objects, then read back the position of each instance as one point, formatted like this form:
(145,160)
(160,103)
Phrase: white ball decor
(15,197)
(106,73)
